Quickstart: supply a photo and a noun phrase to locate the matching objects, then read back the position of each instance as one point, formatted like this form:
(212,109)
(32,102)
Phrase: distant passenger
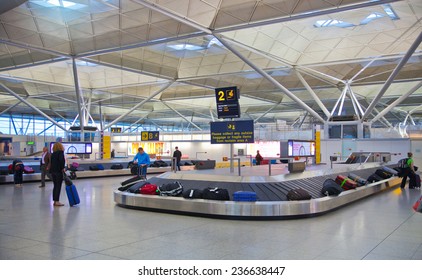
(408,171)
(178,155)
(18,172)
(44,162)
(112,153)
(143,161)
(258,158)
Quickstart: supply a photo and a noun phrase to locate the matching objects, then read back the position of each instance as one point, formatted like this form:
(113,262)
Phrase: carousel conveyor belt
(272,197)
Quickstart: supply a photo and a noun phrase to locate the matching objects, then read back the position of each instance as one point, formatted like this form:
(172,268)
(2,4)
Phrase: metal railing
(269,162)
(238,165)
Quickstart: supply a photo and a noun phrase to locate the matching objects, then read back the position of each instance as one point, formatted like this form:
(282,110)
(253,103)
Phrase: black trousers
(57,183)
(406,173)
(18,177)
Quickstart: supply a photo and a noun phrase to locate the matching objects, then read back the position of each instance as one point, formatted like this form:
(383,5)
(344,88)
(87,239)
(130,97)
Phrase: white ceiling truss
(141,62)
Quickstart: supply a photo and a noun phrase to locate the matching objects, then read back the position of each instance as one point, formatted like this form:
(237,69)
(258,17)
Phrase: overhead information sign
(116,130)
(232,132)
(227,102)
(150,135)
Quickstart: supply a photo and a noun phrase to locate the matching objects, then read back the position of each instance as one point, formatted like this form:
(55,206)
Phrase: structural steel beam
(174,16)
(79,98)
(313,94)
(354,98)
(270,79)
(183,117)
(140,119)
(30,105)
(397,101)
(266,112)
(11,107)
(338,101)
(393,75)
(140,104)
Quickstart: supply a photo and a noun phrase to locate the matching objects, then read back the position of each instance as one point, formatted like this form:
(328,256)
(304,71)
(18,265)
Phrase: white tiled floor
(383,227)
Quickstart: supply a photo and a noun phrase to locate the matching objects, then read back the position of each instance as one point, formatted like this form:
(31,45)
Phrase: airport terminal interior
(329,93)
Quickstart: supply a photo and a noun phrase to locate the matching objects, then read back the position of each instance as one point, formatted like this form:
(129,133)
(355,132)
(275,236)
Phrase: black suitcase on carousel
(374,178)
(330,187)
(129,183)
(171,189)
(216,194)
(136,188)
(298,194)
(383,174)
(116,166)
(192,193)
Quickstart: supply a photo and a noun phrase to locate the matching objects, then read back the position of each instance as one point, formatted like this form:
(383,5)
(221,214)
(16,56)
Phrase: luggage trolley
(142,171)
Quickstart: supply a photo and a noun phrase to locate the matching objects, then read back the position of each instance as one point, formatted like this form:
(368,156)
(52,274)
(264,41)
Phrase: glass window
(350,131)
(334,131)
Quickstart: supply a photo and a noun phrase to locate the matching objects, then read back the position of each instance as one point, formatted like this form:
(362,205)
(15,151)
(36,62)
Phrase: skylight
(372,16)
(61,3)
(187,47)
(58,3)
(390,12)
(332,22)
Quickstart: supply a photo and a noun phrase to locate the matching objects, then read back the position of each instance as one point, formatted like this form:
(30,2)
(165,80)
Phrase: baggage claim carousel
(271,191)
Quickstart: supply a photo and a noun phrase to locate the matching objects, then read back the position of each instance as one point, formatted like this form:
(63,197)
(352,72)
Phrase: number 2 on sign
(221,96)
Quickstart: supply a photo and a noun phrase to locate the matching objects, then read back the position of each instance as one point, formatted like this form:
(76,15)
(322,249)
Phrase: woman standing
(57,168)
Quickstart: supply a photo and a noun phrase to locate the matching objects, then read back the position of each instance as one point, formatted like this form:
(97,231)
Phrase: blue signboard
(232,132)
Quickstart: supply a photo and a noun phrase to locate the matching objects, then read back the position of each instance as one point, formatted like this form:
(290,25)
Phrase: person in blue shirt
(143,161)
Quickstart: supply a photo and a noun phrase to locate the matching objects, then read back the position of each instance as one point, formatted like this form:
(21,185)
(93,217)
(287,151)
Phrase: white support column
(411,119)
(338,101)
(313,94)
(393,75)
(353,96)
(343,97)
(88,109)
(79,98)
(74,120)
(353,103)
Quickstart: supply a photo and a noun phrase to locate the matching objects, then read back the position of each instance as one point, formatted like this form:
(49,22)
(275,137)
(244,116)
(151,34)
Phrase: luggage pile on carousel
(139,185)
(352,181)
